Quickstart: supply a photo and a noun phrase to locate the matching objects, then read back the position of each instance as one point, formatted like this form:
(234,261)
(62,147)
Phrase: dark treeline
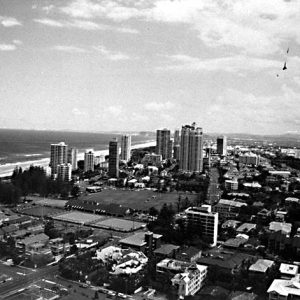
(31,181)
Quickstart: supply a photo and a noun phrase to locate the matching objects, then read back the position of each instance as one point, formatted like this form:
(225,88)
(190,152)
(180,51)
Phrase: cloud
(17,42)
(83,24)
(247,112)
(113,111)
(77,112)
(254,27)
(181,62)
(7,47)
(158,106)
(70,49)
(9,21)
(111,55)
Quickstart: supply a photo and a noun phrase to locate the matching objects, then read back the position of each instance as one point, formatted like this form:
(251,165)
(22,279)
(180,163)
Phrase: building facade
(58,156)
(222,145)
(89,161)
(125,147)
(205,220)
(191,149)
(72,158)
(113,163)
(64,172)
(163,143)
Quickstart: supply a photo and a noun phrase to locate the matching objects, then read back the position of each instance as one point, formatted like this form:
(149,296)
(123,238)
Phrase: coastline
(6,170)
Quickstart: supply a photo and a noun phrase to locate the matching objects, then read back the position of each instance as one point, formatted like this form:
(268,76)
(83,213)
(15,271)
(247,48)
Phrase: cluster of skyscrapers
(63,160)
(187,147)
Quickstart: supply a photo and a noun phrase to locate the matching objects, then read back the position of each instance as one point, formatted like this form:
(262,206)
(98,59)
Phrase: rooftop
(288,269)
(286,287)
(261,266)
(137,239)
(280,226)
(166,249)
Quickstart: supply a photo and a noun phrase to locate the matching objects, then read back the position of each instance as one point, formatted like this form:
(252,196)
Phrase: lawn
(41,211)
(137,199)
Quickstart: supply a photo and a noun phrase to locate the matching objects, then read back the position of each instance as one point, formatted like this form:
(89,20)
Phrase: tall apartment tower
(222,145)
(64,172)
(176,146)
(125,147)
(164,143)
(89,161)
(72,157)
(113,162)
(206,221)
(58,156)
(191,149)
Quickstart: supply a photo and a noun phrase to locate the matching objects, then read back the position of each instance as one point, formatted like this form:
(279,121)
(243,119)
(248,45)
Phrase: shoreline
(6,170)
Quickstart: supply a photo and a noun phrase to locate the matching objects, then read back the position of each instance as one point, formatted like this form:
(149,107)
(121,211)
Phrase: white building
(190,281)
(206,220)
(58,156)
(72,157)
(89,162)
(231,185)
(284,289)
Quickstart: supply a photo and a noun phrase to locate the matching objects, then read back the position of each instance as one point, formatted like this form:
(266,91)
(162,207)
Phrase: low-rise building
(284,289)
(284,228)
(231,185)
(188,254)
(261,267)
(190,281)
(228,209)
(166,251)
(246,228)
(145,242)
(288,271)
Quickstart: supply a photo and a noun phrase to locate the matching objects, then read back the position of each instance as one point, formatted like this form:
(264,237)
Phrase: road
(20,281)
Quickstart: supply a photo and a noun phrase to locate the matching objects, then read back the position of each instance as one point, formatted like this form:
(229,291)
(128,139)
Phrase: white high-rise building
(89,162)
(58,156)
(191,149)
(64,172)
(205,220)
(72,157)
(125,147)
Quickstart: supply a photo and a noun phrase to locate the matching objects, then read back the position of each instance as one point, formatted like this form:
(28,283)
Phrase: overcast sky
(148,64)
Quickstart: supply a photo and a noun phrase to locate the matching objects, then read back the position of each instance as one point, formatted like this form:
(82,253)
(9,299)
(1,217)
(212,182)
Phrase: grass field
(137,199)
(41,211)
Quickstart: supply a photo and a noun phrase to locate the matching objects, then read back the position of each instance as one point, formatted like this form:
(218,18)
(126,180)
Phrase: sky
(136,65)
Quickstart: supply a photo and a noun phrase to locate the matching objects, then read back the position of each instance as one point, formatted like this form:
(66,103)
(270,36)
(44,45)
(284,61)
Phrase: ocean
(26,147)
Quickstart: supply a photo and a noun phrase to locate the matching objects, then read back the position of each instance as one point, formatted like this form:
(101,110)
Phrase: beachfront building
(113,161)
(64,172)
(72,157)
(89,161)
(125,147)
(58,156)
(176,147)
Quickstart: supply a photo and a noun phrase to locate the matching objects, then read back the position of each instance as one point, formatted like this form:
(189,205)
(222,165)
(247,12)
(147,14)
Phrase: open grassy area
(137,199)
(41,211)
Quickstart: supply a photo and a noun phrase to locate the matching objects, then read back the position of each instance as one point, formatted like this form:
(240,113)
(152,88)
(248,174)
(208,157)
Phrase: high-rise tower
(89,161)
(113,163)
(222,145)
(191,149)
(58,156)
(125,147)
(164,143)
(72,157)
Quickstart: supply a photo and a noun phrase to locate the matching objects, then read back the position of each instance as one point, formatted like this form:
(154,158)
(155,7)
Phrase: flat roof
(78,217)
(288,269)
(137,239)
(119,224)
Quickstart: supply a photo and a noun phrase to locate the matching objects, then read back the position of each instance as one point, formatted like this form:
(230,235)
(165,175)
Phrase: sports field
(137,199)
(78,217)
(41,211)
(119,224)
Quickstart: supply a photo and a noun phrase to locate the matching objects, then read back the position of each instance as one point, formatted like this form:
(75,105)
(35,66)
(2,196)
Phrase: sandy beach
(7,169)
